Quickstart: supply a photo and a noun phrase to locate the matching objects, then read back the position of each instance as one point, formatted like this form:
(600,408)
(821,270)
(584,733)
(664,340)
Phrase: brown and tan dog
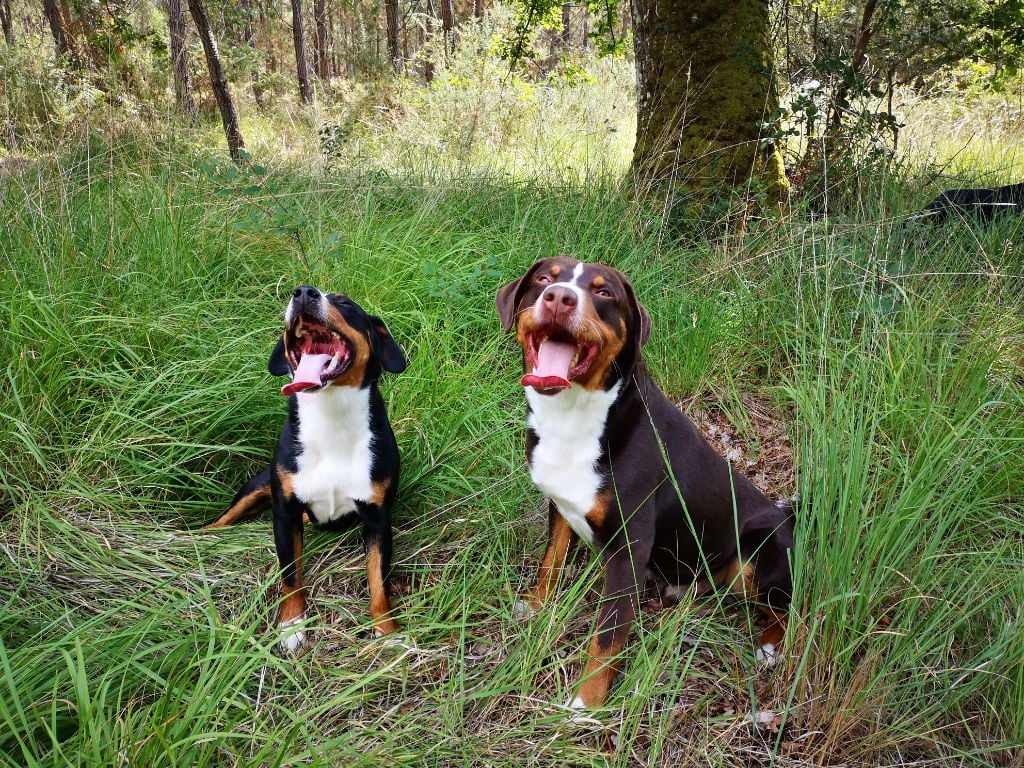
(624,469)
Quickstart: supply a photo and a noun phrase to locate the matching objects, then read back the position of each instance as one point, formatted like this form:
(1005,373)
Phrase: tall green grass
(140,300)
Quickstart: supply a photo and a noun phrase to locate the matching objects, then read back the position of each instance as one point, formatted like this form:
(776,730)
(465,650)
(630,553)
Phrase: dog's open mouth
(316,354)
(554,358)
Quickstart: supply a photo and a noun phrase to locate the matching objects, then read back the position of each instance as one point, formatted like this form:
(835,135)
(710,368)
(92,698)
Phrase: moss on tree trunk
(705,87)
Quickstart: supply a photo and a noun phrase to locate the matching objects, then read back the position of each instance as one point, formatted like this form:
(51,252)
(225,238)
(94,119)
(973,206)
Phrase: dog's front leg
(288,540)
(625,565)
(377,542)
(560,540)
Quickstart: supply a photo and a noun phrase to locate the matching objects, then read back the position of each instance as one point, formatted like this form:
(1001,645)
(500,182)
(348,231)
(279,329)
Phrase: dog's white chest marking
(334,465)
(569,425)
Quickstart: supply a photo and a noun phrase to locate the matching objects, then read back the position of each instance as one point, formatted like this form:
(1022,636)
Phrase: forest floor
(873,365)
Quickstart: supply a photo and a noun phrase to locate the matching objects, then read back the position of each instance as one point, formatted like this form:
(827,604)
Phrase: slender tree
(448,24)
(335,58)
(183,98)
(6,22)
(218,80)
(58,28)
(704,90)
(249,38)
(321,53)
(301,65)
(478,8)
(566,24)
(391,18)
(841,100)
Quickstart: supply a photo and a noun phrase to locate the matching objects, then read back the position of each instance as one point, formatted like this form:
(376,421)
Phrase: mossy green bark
(705,88)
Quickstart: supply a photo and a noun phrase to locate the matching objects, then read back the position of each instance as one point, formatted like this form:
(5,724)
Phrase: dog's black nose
(304,292)
(557,295)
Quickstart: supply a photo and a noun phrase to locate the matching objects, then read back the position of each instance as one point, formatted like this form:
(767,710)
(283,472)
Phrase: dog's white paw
(674,593)
(292,634)
(398,640)
(579,714)
(522,610)
(767,655)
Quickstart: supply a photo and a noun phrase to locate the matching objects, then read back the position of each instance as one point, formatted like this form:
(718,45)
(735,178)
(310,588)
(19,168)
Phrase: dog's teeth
(334,362)
(335,334)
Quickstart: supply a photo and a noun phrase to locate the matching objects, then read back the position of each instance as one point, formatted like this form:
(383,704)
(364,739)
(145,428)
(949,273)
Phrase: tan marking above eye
(555,270)
(598,282)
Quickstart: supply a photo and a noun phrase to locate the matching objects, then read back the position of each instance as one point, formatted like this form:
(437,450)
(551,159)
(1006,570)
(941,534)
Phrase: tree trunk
(448,24)
(566,24)
(301,67)
(320,18)
(704,87)
(218,81)
(59,31)
(427,55)
(249,38)
(841,100)
(333,59)
(391,14)
(6,22)
(478,8)
(183,99)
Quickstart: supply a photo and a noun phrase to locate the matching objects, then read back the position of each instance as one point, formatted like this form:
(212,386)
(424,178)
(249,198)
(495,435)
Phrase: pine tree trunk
(320,18)
(333,59)
(249,38)
(391,17)
(301,66)
(183,98)
(478,8)
(427,55)
(566,24)
(218,80)
(6,22)
(704,87)
(58,29)
(448,24)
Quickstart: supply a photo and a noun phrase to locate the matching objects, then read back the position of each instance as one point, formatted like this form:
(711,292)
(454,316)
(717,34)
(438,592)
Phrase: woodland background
(827,339)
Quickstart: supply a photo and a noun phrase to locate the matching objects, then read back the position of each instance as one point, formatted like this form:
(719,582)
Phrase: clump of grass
(139,304)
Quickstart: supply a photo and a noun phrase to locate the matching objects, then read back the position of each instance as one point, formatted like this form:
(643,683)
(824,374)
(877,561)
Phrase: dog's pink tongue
(307,375)
(552,369)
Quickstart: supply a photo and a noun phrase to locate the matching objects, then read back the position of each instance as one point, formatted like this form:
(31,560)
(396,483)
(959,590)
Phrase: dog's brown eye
(604,293)
(544,278)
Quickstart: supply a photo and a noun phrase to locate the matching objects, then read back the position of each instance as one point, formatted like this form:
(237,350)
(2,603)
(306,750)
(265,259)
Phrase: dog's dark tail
(251,499)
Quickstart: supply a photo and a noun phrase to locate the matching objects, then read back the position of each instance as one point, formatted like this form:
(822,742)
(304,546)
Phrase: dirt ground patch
(761,449)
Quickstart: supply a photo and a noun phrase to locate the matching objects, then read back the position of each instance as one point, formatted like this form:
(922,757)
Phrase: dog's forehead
(566,270)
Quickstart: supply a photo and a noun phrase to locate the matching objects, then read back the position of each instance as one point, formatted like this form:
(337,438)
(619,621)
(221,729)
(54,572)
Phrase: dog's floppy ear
(391,356)
(643,319)
(629,358)
(508,297)
(278,365)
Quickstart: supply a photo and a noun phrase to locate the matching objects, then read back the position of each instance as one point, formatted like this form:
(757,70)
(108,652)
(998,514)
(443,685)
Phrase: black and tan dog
(336,461)
(625,470)
(985,203)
